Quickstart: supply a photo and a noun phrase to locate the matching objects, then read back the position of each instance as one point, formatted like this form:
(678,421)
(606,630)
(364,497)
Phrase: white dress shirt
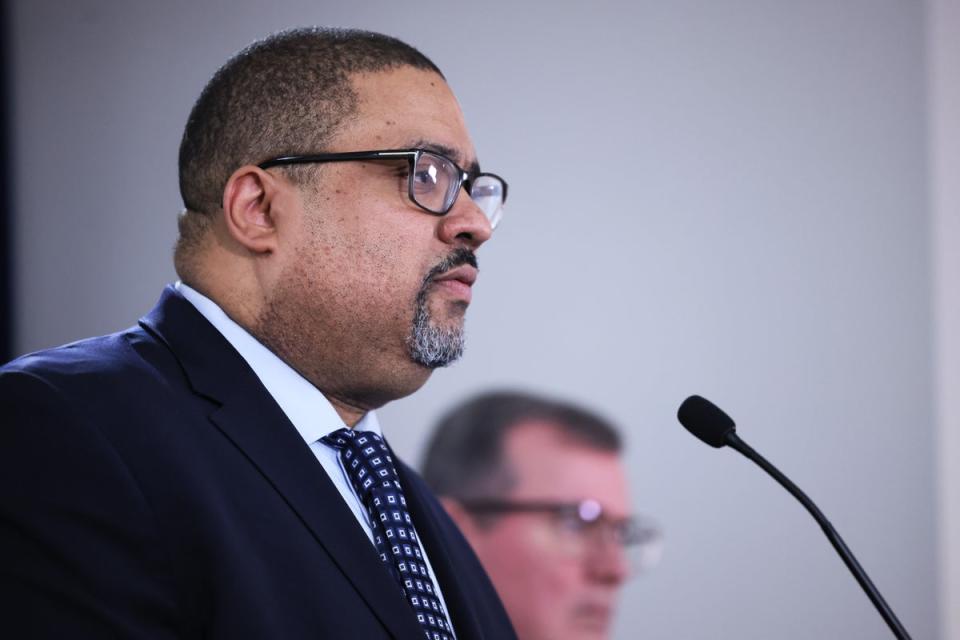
(304,405)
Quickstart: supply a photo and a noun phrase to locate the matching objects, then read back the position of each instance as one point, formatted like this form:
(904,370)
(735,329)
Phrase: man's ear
(250,208)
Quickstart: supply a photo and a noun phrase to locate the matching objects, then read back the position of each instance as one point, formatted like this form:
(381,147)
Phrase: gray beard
(430,345)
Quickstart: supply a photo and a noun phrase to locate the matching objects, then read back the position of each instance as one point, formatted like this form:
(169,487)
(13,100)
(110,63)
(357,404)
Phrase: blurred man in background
(538,487)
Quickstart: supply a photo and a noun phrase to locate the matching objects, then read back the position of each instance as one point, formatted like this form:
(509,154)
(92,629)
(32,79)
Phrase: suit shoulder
(116,356)
(75,358)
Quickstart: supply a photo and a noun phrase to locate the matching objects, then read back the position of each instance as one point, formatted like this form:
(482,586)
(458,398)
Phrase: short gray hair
(464,458)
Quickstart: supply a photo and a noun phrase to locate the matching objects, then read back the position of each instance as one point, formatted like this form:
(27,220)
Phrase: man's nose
(465,224)
(609,563)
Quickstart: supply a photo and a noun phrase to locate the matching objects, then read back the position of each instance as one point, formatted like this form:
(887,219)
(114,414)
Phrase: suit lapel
(256,425)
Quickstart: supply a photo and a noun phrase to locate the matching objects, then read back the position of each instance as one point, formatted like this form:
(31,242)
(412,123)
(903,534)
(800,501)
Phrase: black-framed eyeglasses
(433,183)
(585,518)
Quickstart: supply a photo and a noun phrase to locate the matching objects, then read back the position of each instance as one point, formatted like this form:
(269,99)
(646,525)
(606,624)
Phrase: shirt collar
(305,406)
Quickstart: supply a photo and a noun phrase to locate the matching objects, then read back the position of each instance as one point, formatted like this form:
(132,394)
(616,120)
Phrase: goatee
(431,345)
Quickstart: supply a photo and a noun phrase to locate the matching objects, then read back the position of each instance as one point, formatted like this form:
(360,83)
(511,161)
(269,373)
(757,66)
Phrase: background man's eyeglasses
(433,183)
(585,526)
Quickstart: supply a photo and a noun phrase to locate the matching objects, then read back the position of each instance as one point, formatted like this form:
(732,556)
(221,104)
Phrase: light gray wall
(943,72)
(716,197)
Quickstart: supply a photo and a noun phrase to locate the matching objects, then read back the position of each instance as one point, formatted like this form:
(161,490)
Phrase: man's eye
(425,177)
(571,522)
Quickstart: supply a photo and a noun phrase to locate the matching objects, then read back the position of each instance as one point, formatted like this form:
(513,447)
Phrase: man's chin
(595,620)
(447,311)
(433,346)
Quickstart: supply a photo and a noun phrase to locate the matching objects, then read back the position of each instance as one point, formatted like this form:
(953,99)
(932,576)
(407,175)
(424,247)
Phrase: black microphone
(709,423)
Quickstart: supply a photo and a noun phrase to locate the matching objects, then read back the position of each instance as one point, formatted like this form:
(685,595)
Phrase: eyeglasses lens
(640,540)
(435,182)
(436,185)
(487,193)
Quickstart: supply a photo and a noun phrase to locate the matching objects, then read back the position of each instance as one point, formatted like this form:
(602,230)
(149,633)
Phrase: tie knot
(365,458)
(349,439)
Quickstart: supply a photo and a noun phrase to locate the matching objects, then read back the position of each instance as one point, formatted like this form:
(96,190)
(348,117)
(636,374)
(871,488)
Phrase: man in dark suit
(203,473)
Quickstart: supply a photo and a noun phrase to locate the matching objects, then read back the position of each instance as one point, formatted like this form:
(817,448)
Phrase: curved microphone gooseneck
(710,424)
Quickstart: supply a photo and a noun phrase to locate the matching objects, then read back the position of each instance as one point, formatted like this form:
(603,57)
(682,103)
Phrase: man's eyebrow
(472,168)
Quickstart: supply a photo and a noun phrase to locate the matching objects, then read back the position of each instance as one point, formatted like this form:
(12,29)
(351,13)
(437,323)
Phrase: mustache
(456,258)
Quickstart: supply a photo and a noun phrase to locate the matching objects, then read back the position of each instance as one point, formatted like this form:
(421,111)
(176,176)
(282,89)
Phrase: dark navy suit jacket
(151,488)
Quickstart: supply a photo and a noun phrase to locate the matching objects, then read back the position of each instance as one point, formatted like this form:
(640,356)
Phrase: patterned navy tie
(368,464)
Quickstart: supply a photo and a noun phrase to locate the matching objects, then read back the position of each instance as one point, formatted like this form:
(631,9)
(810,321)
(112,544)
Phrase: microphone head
(705,420)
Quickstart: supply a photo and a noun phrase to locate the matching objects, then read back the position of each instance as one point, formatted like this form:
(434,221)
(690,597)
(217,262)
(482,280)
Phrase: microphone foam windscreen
(705,420)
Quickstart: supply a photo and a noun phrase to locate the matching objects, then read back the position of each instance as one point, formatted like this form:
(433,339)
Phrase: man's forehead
(527,437)
(470,165)
(406,108)
(536,451)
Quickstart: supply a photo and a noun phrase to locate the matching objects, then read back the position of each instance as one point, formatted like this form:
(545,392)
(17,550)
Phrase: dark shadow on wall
(6,184)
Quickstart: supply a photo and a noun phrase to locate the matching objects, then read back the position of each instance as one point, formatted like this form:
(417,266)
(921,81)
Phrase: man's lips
(464,273)
(595,616)
(458,281)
